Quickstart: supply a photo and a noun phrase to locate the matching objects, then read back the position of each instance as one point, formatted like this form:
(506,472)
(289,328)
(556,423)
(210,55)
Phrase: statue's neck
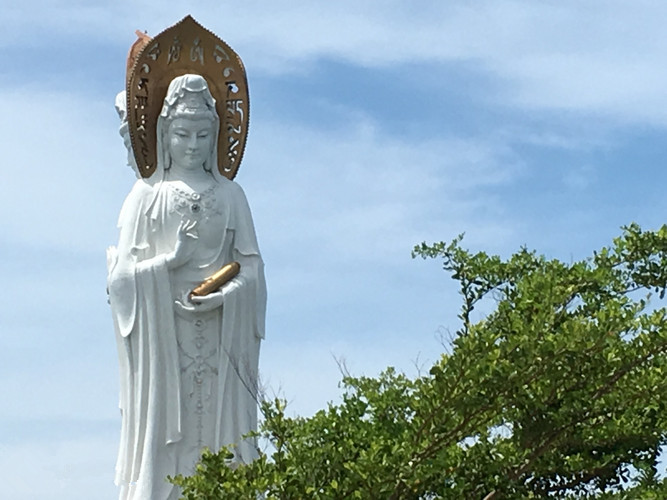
(197,180)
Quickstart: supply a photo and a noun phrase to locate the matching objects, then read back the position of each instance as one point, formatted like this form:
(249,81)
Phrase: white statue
(188,365)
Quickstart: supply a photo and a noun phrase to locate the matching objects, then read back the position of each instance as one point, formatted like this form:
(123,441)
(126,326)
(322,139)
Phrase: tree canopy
(558,391)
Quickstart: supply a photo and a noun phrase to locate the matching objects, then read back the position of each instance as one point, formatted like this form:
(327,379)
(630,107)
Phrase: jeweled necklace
(194,203)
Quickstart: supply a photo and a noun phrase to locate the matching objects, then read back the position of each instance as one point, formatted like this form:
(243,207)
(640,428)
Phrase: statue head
(219,73)
(188,126)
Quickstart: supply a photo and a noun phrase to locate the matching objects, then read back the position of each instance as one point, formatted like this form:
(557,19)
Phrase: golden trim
(142,40)
(188,47)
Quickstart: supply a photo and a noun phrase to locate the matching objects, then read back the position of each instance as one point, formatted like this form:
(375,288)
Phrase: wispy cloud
(59,161)
(338,204)
(601,57)
(76,469)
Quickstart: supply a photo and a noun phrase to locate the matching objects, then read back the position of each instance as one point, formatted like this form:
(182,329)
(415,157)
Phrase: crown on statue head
(191,104)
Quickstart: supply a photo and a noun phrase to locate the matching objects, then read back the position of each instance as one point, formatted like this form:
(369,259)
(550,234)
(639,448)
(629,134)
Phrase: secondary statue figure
(188,365)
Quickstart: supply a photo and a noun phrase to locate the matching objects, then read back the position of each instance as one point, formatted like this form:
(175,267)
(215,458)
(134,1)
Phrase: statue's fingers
(183,307)
(201,301)
(207,302)
(205,306)
(185,225)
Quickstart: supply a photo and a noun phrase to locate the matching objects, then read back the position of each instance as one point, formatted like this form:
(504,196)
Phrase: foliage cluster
(559,391)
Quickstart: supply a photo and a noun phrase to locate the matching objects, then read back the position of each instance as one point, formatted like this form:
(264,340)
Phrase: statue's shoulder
(139,197)
(141,190)
(231,189)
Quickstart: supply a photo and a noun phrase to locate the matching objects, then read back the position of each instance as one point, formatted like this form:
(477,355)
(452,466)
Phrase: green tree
(559,391)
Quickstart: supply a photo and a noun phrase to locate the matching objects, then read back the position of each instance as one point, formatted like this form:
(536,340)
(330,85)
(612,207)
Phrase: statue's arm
(122,286)
(245,249)
(249,284)
(134,258)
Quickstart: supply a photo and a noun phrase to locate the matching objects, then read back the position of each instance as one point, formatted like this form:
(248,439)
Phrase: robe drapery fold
(142,294)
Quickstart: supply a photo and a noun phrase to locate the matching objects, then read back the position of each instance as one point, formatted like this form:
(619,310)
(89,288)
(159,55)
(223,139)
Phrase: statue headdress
(187,48)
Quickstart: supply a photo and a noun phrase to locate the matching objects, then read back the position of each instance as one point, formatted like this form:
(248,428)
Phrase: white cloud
(355,192)
(337,211)
(357,184)
(76,469)
(68,382)
(578,178)
(602,57)
(310,380)
(61,160)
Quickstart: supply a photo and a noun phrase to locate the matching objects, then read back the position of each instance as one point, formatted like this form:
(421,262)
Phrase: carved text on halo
(197,52)
(233,150)
(142,101)
(234,130)
(219,54)
(139,107)
(232,88)
(234,120)
(154,51)
(174,51)
(234,107)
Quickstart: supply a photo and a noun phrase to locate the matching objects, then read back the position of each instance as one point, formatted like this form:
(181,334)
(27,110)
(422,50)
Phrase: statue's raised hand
(186,242)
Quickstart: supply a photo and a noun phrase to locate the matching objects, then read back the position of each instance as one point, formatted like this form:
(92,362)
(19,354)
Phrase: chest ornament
(194,205)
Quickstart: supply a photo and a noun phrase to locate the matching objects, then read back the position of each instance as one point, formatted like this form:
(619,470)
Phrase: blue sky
(375,125)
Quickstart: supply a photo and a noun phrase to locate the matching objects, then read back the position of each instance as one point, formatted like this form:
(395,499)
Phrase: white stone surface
(188,368)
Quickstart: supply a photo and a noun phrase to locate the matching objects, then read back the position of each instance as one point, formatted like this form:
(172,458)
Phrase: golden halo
(188,47)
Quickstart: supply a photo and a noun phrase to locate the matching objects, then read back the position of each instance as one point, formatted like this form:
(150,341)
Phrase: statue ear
(165,145)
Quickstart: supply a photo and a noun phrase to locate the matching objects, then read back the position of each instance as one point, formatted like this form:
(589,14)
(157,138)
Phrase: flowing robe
(187,380)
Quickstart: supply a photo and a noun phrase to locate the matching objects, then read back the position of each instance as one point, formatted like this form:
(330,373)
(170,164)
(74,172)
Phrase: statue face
(190,141)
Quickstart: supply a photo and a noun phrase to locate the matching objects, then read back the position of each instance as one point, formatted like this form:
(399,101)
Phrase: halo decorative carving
(188,47)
